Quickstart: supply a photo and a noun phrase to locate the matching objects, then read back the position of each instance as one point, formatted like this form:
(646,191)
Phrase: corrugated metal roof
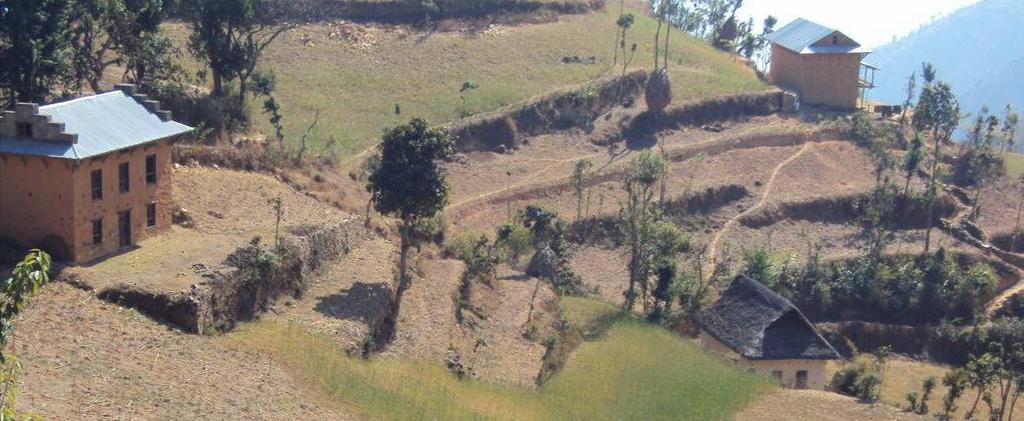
(104,123)
(800,35)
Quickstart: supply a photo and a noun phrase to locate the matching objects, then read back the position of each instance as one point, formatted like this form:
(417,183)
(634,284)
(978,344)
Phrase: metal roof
(800,35)
(104,123)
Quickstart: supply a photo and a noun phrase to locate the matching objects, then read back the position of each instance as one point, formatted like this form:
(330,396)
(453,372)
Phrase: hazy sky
(871,22)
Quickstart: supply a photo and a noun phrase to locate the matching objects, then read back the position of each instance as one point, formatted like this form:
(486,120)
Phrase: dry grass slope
(356,74)
(636,371)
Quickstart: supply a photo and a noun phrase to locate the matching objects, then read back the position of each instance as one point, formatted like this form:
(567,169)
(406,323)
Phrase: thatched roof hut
(759,324)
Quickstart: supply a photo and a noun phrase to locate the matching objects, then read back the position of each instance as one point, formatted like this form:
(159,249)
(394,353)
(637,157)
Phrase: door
(801,379)
(124,228)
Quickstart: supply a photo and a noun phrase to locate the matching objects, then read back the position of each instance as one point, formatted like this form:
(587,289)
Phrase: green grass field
(355,86)
(634,371)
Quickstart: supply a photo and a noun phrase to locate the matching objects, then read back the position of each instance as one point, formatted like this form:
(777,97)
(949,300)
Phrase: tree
(230,36)
(937,112)
(1020,212)
(955,382)
(637,217)
(409,184)
(579,179)
(467,86)
(93,44)
(927,387)
(981,373)
(30,274)
(34,41)
(879,207)
(109,32)
(912,161)
(911,88)
(1010,124)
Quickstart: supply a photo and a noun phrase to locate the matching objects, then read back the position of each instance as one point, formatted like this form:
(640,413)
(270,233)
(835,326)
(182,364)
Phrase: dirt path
(745,138)
(997,303)
(711,253)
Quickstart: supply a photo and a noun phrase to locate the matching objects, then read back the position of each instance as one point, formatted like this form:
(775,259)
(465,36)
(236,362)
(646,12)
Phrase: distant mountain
(978,49)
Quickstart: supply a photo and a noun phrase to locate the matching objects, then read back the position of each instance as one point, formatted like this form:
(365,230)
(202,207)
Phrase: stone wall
(408,11)
(569,108)
(247,284)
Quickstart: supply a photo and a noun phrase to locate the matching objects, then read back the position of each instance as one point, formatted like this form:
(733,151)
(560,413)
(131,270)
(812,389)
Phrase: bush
(923,289)
(860,379)
(514,241)
(430,229)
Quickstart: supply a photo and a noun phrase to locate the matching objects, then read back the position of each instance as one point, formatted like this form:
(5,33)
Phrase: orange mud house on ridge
(86,178)
(824,66)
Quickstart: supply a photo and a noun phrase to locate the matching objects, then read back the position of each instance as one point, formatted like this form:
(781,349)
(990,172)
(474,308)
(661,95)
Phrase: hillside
(976,49)
(356,74)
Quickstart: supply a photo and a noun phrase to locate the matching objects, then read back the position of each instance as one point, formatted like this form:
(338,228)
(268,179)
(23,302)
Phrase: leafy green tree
(955,382)
(981,373)
(579,184)
(35,36)
(927,387)
(514,240)
(109,32)
(880,206)
(409,184)
(937,112)
(912,161)
(31,273)
(909,101)
(1011,121)
(94,49)
(229,36)
(637,218)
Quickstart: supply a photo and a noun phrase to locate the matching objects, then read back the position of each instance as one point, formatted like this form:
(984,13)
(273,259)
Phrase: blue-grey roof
(800,35)
(104,123)
(759,324)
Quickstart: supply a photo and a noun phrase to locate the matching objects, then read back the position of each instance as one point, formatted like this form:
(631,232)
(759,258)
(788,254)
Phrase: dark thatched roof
(759,324)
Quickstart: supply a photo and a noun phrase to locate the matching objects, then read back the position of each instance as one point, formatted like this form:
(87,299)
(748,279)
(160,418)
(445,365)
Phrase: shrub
(859,378)
(514,241)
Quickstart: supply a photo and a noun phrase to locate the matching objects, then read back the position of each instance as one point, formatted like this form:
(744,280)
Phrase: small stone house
(764,331)
(88,177)
(824,66)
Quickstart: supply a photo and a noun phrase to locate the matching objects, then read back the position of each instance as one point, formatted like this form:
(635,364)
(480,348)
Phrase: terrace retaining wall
(244,286)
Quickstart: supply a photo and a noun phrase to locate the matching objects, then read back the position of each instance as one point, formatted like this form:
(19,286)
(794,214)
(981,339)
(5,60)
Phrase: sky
(873,23)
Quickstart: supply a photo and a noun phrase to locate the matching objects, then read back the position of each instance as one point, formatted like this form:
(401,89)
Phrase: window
(97,184)
(123,180)
(151,215)
(835,39)
(97,231)
(777,375)
(801,379)
(151,169)
(23,129)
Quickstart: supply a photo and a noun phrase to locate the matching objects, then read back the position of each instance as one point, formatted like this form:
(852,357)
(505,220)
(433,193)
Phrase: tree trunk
(631,292)
(1016,228)
(668,31)
(369,205)
(657,36)
(218,84)
(1013,404)
(974,406)
(906,188)
(931,193)
(384,334)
